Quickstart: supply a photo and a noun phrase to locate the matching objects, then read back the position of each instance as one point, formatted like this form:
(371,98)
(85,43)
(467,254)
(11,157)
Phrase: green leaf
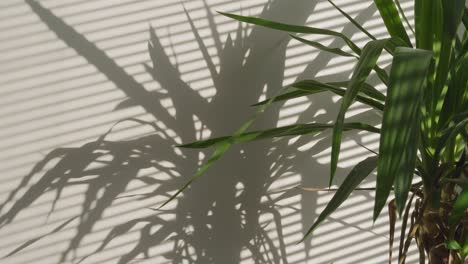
(354,178)
(319,46)
(352,20)
(312,87)
(222,147)
(424,19)
(366,89)
(400,126)
(459,207)
(290,95)
(453,245)
(366,63)
(457,92)
(291,130)
(452,16)
(294,28)
(402,12)
(450,134)
(465,18)
(392,21)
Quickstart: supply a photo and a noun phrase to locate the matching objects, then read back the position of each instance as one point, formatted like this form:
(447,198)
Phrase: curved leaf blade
(367,95)
(354,178)
(319,46)
(366,63)
(294,28)
(291,130)
(392,20)
(401,126)
(459,207)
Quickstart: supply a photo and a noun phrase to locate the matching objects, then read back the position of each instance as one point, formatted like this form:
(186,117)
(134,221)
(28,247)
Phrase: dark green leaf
(366,89)
(392,20)
(294,28)
(366,63)
(465,18)
(319,46)
(312,87)
(400,126)
(452,16)
(354,178)
(352,20)
(292,130)
(402,12)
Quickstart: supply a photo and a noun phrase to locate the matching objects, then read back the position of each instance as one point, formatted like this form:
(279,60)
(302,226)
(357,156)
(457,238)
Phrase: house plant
(422,151)
(423,131)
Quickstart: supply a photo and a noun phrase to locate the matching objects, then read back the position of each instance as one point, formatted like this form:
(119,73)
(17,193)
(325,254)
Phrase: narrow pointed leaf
(312,85)
(366,89)
(424,19)
(294,28)
(465,18)
(222,147)
(366,63)
(319,46)
(402,12)
(354,178)
(459,207)
(354,22)
(452,17)
(289,95)
(292,130)
(392,21)
(450,134)
(308,87)
(400,126)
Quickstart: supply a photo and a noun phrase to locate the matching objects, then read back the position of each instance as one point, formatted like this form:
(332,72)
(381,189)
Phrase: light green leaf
(453,245)
(459,207)
(366,63)
(400,126)
(354,178)
(392,21)
(450,134)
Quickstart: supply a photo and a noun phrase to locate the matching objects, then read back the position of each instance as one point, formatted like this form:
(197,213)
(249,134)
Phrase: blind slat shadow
(213,209)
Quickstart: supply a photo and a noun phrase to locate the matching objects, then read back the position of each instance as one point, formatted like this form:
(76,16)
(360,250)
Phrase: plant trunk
(433,235)
(435,230)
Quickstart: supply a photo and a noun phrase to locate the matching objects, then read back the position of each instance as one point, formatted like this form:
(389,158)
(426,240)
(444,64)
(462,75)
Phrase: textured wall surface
(89,123)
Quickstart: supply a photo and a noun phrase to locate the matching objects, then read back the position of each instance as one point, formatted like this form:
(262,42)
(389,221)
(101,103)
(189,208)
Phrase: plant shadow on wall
(230,200)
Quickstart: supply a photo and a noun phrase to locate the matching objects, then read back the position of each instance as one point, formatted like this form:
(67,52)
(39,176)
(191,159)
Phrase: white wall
(70,70)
